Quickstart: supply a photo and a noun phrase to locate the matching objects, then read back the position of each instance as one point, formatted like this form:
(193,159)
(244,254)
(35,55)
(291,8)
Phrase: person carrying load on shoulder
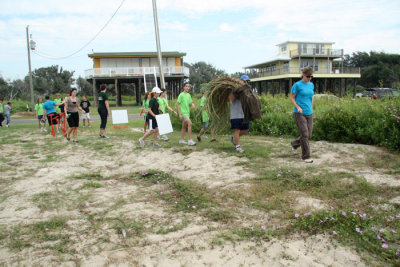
(246,106)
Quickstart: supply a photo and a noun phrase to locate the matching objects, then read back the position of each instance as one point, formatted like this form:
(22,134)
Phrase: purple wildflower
(334,232)
(263,227)
(296,215)
(385,246)
(344,213)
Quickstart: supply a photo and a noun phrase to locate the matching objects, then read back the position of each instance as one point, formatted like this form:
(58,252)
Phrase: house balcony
(318,53)
(296,72)
(173,71)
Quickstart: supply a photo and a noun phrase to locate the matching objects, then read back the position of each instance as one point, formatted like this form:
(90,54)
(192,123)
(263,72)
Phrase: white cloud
(225,27)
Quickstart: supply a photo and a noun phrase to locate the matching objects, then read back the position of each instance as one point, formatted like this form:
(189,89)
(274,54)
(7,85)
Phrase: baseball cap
(245,78)
(156,90)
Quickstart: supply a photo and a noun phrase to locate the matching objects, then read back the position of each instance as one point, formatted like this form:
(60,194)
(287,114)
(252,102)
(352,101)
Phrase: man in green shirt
(182,104)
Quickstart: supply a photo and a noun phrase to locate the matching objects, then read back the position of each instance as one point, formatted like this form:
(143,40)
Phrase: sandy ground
(194,244)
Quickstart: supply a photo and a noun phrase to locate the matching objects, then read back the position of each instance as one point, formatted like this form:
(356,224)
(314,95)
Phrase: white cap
(156,90)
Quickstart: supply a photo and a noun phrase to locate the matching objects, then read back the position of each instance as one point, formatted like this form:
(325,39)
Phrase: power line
(91,40)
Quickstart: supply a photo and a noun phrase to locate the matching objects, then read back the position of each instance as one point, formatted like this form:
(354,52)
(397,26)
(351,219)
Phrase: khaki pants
(304,124)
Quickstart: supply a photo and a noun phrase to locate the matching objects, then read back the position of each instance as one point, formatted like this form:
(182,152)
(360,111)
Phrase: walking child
(163,102)
(85,105)
(205,118)
(183,105)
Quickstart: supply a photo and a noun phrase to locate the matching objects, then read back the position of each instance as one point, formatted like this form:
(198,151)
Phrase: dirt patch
(114,219)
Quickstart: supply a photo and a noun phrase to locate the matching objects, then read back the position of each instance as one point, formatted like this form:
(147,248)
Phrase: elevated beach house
(278,74)
(138,68)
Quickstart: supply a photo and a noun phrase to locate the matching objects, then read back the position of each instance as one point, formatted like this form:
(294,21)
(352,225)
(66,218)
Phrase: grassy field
(104,202)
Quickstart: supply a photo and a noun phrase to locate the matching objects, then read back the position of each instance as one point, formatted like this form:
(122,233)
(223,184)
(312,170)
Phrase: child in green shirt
(182,104)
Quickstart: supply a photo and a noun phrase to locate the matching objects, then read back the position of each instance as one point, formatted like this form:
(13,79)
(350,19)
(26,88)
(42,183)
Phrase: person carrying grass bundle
(154,109)
(238,122)
(245,107)
(302,98)
(205,118)
(183,105)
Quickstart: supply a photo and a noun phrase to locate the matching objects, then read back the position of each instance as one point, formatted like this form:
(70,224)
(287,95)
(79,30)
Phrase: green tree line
(378,69)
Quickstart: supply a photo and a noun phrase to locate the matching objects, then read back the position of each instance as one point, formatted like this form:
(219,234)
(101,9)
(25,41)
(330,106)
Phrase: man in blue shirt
(50,111)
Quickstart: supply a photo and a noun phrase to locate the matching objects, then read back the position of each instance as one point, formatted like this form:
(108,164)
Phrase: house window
(286,67)
(310,63)
(283,48)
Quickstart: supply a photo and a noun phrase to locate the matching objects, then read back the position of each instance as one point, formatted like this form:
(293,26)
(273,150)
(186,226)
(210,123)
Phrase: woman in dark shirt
(154,109)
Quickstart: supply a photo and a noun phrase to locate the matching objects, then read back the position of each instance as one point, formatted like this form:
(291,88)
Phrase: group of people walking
(156,103)
(62,111)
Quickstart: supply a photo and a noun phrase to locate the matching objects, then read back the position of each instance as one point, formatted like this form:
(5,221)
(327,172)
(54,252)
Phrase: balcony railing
(311,52)
(284,71)
(135,71)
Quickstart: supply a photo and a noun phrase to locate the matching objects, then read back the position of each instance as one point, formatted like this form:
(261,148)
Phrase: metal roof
(304,42)
(135,54)
(281,57)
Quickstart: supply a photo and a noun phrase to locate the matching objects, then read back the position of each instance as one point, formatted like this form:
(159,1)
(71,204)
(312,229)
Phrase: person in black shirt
(85,105)
(154,109)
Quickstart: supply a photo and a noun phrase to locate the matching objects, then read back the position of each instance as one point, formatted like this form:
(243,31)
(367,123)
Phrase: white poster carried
(119,116)
(164,124)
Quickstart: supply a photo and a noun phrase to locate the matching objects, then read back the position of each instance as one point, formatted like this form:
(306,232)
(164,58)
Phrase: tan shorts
(185,118)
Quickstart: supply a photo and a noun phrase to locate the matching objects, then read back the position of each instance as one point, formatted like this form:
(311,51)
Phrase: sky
(228,34)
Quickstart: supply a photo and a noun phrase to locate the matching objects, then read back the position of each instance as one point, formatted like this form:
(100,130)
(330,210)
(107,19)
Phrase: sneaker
(155,144)
(68,139)
(58,131)
(158,137)
(183,142)
(83,126)
(205,136)
(294,150)
(89,126)
(191,143)
(308,160)
(213,140)
(75,141)
(239,149)
(7,125)
(141,141)
(233,141)
(199,138)
(104,136)
(164,137)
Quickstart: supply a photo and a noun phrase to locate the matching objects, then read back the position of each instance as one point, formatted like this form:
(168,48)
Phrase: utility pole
(158,44)
(29,61)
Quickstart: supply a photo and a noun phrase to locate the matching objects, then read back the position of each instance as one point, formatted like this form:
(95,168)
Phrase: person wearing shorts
(183,105)
(154,109)
(163,102)
(72,106)
(237,116)
(39,114)
(49,111)
(85,105)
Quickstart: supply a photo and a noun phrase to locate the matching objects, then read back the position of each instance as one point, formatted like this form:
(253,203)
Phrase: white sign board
(119,116)
(164,124)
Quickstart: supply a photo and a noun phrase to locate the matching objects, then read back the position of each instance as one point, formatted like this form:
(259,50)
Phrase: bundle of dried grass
(218,105)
